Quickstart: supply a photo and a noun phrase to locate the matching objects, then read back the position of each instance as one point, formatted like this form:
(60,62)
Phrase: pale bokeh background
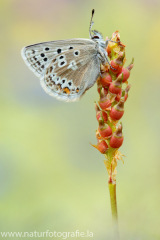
(50,176)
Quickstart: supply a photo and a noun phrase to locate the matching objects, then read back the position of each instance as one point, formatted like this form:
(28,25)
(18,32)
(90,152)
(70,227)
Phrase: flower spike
(112,99)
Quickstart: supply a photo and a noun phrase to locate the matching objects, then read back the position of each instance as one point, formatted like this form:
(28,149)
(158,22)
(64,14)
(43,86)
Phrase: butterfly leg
(107,60)
(101,60)
(103,56)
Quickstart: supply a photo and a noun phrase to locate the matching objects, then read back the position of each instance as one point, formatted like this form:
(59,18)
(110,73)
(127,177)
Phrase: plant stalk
(112,191)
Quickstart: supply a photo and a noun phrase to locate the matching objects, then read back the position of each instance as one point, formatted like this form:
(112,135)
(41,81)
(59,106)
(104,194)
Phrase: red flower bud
(126,71)
(117,111)
(115,66)
(102,146)
(104,129)
(102,114)
(117,138)
(117,63)
(104,102)
(126,74)
(115,86)
(106,79)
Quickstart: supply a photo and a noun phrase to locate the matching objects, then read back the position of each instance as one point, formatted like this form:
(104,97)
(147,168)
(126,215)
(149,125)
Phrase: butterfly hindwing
(38,56)
(71,73)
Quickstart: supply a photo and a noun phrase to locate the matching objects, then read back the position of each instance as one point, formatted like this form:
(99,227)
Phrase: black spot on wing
(59,50)
(62,63)
(76,53)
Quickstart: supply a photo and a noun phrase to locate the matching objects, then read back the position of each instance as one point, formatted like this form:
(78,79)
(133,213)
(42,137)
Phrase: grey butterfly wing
(71,73)
(38,56)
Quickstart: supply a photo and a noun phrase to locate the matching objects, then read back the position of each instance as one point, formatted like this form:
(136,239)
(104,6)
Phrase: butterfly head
(97,37)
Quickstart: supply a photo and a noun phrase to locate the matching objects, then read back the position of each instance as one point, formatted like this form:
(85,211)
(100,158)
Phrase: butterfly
(68,68)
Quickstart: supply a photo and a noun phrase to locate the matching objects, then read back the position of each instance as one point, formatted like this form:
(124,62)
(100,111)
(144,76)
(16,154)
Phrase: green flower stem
(112,191)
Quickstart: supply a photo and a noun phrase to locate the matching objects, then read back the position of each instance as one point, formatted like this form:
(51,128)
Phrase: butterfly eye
(95,37)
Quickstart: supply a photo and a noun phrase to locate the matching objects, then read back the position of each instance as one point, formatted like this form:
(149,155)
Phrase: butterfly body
(67,68)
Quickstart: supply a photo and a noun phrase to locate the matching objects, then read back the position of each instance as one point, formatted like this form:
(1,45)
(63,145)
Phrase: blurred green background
(50,176)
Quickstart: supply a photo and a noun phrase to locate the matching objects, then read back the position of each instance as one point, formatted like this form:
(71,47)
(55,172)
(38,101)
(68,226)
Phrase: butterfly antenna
(91,24)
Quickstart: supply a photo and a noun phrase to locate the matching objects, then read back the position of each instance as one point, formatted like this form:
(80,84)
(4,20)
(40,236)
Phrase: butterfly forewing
(38,56)
(71,73)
